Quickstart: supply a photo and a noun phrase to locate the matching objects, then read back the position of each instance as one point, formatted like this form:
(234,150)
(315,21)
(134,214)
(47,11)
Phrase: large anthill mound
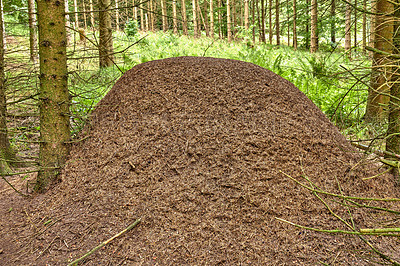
(196,147)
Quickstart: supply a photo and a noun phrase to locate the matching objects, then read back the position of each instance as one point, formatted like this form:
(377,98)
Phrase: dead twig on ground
(75,262)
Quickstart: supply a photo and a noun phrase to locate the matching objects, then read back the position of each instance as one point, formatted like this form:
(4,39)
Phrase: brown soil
(196,147)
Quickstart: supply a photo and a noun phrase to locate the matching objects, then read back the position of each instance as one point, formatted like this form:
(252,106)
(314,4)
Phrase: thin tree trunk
(246,14)
(278,34)
(364,26)
(84,15)
(54,96)
(152,15)
(6,152)
(233,18)
(91,14)
(253,19)
(288,24)
(314,24)
(116,15)
(76,22)
(164,15)
(220,19)
(135,15)
(347,38)
(333,24)
(294,25)
(355,23)
(262,22)
(205,18)
(184,19)
(142,26)
(228,20)
(270,35)
(32,31)
(106,50)
(393,131)
(67,21)
(175,18)
(377,94)
(211,19)
(194,10)
(307,25)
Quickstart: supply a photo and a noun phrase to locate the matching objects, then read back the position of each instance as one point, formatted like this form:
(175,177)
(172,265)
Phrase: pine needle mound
(197,148)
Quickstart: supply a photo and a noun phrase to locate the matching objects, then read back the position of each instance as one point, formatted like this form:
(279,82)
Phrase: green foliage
(131,28)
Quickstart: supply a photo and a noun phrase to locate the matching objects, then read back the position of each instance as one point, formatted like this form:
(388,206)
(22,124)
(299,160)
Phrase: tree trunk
(194,10)
(288,24)
(393,131)
(67,22)
(91,14)
(377,94)
(333,23)
(314,25)
(253,19)
(32,31)
(228,20)
(364,26)
(6,152)
(355,23)
(278,33)
(84,15)
(262,22)
(76,22)
(116,16)
(246,14)
(294,25)
(142,26)
(347,38)
(184,19)
(106,50)
(175,18)
(307,37)
(233,18)
(135,15)
(211,19)
(164,15)
(205,18)
(270,22)
(54,95)
(220,19)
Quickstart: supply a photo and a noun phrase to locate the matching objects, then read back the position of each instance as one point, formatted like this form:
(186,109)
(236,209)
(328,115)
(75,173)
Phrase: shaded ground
(196,148)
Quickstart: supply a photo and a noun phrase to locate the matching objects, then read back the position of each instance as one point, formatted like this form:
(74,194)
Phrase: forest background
(342,54)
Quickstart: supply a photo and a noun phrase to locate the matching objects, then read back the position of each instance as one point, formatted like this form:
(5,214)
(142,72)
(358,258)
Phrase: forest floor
(203,151)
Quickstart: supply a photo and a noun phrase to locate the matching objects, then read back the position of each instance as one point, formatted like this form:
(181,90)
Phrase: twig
(337,195)
(75,262)
(377,152)
(380,230)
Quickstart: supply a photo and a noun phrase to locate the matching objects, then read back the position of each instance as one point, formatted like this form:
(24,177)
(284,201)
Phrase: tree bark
(211,19)
(54,95)
(393,131)
(205,18)
(164,15)
(175,18)
(246,14)
(67,22)
(253,19)
(6,153)
(76,22)
(91,14)
(116,16)
(184,19)
(228,20)
(106,50)
(142,25)
(194,11)
(278,33)
(314,25)
(307,37)
(347,38)
(377,94)
(333,23)
(355,23)
(364,26)
(270,35)
(220,19)
(32,31)
(262,22)
(294,25)
(84,15)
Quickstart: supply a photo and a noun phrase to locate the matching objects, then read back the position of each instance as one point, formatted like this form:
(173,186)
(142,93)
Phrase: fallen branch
(377,152)
(75,262)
